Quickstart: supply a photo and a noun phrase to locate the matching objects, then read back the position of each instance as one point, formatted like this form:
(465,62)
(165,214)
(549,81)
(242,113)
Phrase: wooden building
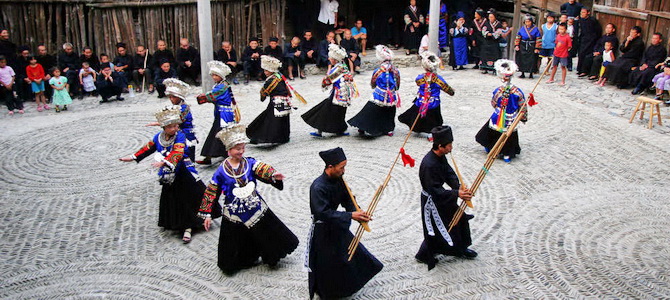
(100,24)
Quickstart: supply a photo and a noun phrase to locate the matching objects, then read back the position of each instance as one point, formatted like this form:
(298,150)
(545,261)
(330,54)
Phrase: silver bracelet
(204,215)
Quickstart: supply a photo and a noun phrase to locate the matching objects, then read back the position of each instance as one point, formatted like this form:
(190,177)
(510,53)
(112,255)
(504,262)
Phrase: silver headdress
(270,63)
(505,68)
(233,135)
(429,61)
(218,68)
(170,114)
(336,52)
(176,87)
(383,53)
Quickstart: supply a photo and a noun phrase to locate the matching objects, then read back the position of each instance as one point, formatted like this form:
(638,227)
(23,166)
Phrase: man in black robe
(47,61)
(69,64)
(251,61)
(589,32)
(228,56)
(90,58)
(108,84)
(640,77)
(350,45)
(594,61)
(161,55)
(631,53)
(273,49)
(309,47)
(123,66)
(331,275)
(142,62)
(438,205)
(22,83)
(188,61)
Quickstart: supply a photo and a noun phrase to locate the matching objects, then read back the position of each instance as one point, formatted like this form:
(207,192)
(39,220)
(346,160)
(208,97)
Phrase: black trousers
(73,80)
(191,72)
(252,68)
(137,77)
(109,91)
(11,101)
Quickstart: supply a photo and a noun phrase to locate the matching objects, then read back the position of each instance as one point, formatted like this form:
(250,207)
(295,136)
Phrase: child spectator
(548,39)
(295,58)
(572,30)
(166,71)
(109,84)
(61,90)
(104,61)
(35,73)
(360,34)
(87,78)
(608,58)
(7,77)
(504,41)
(563,45)
(662,82)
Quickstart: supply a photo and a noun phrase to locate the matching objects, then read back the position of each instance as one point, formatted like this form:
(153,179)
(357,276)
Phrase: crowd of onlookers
(480,40)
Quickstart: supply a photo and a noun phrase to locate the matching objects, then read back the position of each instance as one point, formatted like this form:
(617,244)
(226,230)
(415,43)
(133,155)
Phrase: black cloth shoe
(636,91)
(428,261)
(476,67)
(522,75)
(104,100)
(469,253)
(621,86)
(119,98)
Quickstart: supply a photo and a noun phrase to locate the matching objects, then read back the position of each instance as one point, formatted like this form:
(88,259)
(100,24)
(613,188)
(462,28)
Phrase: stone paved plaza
(583,212)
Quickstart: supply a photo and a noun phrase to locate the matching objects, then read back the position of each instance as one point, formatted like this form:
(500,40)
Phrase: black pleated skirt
(267,128)
(374,119)
(432,119)
(488,137)
(240,247)
(327,116)
(180,201)
(213,147)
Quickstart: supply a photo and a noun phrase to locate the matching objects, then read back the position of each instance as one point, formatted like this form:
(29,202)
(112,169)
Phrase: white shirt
(328,10)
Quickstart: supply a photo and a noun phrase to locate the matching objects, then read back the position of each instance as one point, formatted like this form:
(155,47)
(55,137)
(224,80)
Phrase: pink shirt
(6,75)
(563,43)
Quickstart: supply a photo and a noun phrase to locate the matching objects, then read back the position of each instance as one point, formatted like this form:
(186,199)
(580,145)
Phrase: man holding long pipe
(439,204)
(331,274)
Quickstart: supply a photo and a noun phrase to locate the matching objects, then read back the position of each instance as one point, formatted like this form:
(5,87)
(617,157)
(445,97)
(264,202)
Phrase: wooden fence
(100,25)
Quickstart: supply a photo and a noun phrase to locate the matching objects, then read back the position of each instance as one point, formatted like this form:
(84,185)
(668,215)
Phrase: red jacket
(35,73)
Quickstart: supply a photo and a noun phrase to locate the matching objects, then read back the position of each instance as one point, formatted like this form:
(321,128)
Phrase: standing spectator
(548,38)
(35,74)
(640,77)
(351,47)
(323,60)
(188,59)
(60,85)
(360,34)
(47,61)
(87,78)
(228,56)
(505,31)
(162,54)
(573,30)
(490,51)
(589,32)
(459,43)
(22,87)
(327,16)
(631,53)
(527,44)
(413,28)
(68,64)
(563,45)
(309,47)
(251,60)
(108,85)
(294,57)
(88,56)
(7,48)
(594,61)
(123,66)
(164,72)
(7,77)
(273,49)
(571,8)
(142,62)
(477,37)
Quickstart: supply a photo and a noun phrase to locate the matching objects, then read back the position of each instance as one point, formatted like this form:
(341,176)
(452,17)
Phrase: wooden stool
(654,110)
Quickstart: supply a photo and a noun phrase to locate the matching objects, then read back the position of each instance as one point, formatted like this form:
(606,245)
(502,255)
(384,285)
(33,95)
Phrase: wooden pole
(433,30)
(516,23)
(206,45)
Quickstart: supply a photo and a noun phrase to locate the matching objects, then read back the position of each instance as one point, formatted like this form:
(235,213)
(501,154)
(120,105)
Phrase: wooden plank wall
(102,27)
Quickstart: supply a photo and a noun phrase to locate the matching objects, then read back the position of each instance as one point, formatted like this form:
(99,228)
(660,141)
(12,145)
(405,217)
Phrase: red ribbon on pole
(406,159)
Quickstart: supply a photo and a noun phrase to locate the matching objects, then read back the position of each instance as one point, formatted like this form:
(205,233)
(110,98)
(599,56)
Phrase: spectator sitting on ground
(123,66)
(351,47)
(339,29)
(322,59)
(68,63)
(631,53)
(273,49)
(188,61)
(309,46)
(251,61)
(163,53)
(104,61)
(228,56)
(166,71)
(360,34)
(640,77)
(89,57)
(142,73)
(294,57)
(108,85)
